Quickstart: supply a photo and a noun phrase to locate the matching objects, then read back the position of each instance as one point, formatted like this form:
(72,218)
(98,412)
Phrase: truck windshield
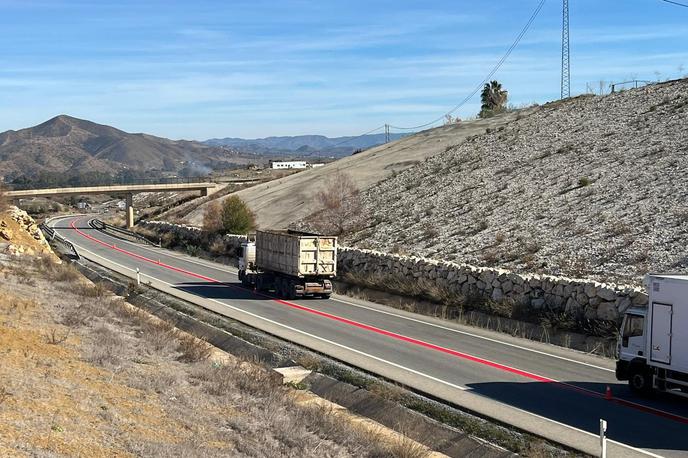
(634,326)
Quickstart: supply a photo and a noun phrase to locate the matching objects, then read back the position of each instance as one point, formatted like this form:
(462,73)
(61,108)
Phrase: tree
(493,99)
(236,217)
(341,207)
(212,217)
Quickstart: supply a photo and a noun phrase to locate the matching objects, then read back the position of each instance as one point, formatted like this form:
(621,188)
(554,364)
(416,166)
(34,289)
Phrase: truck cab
(653,342)
(247,261)
(632,362)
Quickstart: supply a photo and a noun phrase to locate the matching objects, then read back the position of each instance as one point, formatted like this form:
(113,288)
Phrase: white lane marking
(240,310)
(621,444)
(477,336)
(459,387)
(170,253)
(416,320)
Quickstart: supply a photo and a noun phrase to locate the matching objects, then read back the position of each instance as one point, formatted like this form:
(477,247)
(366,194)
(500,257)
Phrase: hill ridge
(66,144)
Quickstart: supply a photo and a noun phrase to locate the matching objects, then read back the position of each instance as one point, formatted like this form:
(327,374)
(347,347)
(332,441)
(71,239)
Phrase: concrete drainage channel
(438,426)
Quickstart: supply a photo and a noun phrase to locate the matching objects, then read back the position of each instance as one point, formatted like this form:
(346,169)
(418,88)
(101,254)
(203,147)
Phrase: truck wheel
(290,290)
(639,380)
(325,296)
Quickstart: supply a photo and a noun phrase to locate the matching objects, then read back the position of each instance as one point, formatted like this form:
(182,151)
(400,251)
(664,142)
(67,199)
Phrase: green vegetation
(236,217)
(493,99)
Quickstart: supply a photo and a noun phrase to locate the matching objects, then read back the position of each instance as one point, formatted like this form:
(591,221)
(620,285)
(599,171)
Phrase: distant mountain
(70,145)
(304,145)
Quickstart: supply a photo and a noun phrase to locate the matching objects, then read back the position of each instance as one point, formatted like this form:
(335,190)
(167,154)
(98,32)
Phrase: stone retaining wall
(590,299)
(578,297)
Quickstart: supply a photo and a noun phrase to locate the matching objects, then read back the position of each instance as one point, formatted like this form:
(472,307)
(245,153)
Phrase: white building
(317,165)
(288,164)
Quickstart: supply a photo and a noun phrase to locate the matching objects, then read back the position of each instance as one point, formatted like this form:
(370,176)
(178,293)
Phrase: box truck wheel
(639,380)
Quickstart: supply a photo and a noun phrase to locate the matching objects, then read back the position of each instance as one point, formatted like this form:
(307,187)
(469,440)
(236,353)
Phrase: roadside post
(603,439)
(138,276)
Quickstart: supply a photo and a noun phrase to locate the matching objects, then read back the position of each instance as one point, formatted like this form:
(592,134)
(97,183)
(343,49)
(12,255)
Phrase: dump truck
(653,343)
(292,264)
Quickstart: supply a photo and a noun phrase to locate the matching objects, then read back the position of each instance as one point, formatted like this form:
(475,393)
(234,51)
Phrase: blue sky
(256,68)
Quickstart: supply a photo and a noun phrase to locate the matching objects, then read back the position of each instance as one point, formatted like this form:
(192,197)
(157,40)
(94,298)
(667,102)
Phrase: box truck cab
(653,343)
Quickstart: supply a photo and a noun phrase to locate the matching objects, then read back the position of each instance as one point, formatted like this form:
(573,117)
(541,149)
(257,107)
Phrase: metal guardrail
(636,84)
(105,227)
(54,237)
(171,180)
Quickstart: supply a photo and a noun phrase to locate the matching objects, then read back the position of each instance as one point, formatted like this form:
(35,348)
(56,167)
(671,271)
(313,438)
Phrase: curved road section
(549,391)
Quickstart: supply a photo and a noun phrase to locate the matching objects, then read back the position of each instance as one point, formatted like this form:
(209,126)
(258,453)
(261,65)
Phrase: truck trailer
(293,264)
(653,343)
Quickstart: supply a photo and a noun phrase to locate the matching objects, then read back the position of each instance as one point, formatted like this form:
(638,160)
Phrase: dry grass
(88,374)
(193,350)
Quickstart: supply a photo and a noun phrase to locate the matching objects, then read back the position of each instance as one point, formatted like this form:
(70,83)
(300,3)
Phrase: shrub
(236,217)
(193,350)
(341,207)
(212,218)
(584,181)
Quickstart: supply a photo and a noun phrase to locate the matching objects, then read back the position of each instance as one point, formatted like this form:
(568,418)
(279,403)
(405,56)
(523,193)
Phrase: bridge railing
(114,182)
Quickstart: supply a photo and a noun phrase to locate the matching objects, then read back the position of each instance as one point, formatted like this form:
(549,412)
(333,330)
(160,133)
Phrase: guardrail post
(130,210)
(603,439)
(138,276)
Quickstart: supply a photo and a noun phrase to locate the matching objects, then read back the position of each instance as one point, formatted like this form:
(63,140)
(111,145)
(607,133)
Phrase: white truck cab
(247,259)
(653,343)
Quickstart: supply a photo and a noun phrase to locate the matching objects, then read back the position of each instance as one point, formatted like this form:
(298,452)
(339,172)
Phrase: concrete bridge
(127,189)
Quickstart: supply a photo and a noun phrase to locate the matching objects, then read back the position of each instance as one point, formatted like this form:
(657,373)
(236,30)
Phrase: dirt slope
(84,374)
(590,187)
(279,203)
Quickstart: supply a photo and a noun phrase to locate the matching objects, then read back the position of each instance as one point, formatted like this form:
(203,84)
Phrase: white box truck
(293,264)
(653,343)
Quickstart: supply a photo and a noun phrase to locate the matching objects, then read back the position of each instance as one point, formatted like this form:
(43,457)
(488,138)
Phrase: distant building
(122,205)
(83,206)
(316,165)
(288,164)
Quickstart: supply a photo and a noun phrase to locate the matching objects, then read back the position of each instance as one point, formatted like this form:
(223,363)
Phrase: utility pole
(386,133)
(565,62)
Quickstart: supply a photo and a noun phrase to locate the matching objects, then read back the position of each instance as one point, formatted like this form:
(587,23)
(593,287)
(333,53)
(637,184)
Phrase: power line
(490,75)
(357,136)
(675,3)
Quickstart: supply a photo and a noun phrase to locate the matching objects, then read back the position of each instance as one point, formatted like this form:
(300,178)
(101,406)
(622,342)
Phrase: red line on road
(401,337)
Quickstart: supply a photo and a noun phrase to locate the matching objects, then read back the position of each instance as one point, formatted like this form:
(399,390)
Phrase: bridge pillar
(130,210)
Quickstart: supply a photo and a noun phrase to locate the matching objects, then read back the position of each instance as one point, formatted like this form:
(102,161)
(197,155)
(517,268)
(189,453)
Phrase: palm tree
(493,99)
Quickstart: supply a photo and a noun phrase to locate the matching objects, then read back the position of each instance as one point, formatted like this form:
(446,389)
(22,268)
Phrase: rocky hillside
(20,235)
(66,144)
(589,187)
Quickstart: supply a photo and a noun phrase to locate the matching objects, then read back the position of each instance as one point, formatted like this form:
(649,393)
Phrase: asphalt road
(554,392)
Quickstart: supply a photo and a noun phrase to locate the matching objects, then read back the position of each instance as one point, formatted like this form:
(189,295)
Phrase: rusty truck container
(296,254)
